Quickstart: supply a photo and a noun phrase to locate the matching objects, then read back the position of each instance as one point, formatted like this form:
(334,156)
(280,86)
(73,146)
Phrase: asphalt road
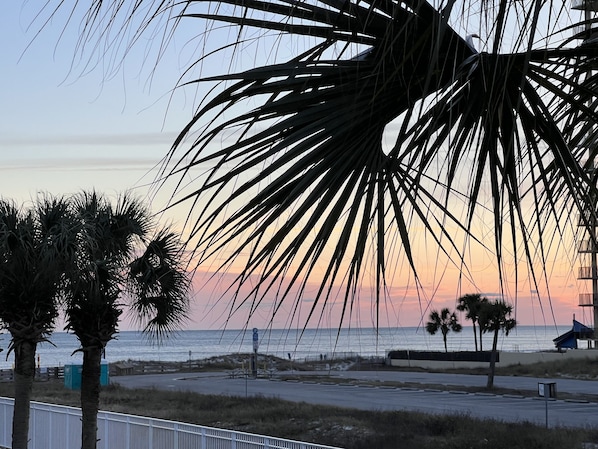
(507,408)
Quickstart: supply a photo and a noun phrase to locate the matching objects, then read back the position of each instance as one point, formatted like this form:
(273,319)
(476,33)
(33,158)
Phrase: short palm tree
(291,176)
(36,245)
(496,317)
(445,321)
(118,265)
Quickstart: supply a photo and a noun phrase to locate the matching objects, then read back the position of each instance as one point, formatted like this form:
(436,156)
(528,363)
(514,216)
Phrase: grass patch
(348,428)
(583,369)
(586,368)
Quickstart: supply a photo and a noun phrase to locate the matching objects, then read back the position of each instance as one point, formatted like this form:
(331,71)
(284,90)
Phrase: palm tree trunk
(24,375)
(490,383)
(475,336)
(480,330)
(90,397)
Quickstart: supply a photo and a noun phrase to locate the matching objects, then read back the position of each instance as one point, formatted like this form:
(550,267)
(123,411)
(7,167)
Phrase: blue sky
(62,131)
(67,126)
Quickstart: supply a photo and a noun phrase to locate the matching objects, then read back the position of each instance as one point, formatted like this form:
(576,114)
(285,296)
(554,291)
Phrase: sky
(67,126)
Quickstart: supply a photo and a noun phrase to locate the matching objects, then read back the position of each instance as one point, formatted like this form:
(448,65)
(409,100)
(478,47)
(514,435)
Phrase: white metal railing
(59,427)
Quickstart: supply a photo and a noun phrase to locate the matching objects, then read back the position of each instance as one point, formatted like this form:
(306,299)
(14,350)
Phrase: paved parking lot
(508,408)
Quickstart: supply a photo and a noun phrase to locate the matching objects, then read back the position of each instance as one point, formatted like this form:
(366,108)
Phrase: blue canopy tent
(568,340)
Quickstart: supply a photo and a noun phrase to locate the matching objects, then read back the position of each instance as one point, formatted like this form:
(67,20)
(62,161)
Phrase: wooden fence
(131,368)
(41,374)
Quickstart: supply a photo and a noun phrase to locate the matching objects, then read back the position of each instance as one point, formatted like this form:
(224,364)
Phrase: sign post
(256,344)
(547,390)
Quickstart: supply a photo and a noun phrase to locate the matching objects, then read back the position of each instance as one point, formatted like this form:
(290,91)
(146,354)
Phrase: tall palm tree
(36,244)
(496,317)
(117,260)
(292,179)
(445,321)
(471,304)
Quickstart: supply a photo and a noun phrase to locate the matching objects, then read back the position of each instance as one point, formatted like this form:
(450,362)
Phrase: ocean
(200,344)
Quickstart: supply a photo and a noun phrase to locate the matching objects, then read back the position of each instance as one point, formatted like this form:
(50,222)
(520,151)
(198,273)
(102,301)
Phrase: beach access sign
(256,341)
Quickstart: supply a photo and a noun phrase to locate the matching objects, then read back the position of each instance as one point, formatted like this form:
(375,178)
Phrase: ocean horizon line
(342,329)
(297,343)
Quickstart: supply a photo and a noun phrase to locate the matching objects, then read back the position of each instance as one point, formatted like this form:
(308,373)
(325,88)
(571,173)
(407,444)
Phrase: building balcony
(585,34)
(587,273)
(585,5)
(587,219)
(587,246)
(586,299)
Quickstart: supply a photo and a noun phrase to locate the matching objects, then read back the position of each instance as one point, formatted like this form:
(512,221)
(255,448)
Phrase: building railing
(587,273)
(590,33)
(586,299)
(587,218)
(587,246)
(59,427)
(590,5)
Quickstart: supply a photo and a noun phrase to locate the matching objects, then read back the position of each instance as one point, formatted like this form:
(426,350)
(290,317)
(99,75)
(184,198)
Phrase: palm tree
(110,267)
(471,303)
(291,173)
(496,318)
(445,321)
(36,244)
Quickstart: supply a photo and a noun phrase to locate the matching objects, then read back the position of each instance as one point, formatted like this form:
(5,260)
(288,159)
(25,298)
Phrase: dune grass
(586,368)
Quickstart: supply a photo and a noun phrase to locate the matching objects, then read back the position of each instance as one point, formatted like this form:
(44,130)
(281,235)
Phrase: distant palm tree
(36,244)
(116,260)
(293,182)
(445,321)
(496,317)
(471,303)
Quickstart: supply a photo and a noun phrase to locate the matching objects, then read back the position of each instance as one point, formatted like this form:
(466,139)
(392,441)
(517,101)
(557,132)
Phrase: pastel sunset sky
(68,124)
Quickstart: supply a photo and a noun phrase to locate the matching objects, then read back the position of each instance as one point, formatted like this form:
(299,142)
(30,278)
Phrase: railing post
(50,437)
(32,422)
(68,431)
(127,433)
(6,414)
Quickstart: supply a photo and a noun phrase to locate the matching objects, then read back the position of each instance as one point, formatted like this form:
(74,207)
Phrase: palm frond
(309,161)
(159,286)
(291,181)
(34,254)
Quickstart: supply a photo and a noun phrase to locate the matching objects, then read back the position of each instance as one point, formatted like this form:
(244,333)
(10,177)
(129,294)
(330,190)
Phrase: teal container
(104,374)
(72,376)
